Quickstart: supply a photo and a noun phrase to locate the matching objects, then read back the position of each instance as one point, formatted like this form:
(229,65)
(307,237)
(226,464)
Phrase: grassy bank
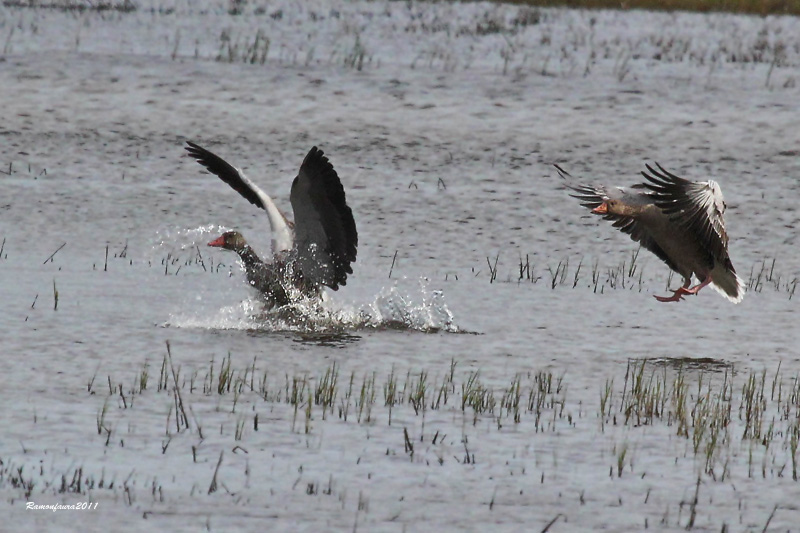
(760,7)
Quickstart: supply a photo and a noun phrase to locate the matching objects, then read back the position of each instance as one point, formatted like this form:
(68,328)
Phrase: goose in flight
(316,250)
(680,221)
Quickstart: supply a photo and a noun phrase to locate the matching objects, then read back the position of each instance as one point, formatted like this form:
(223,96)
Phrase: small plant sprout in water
(627,274)
(622,452)
(765,275)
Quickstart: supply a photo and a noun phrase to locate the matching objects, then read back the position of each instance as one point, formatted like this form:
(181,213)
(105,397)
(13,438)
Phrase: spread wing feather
(326,239)
(227,173)
(696,206)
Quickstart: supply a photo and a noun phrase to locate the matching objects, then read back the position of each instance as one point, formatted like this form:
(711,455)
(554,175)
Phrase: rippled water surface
(475,271)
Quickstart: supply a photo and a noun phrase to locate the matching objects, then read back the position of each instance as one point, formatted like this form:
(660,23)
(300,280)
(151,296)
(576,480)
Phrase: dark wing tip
(561,172)
(203,156)
(224,171)
(663,180)
(587,195)
(194,150)
(667,172)
(315,161)
(653,176)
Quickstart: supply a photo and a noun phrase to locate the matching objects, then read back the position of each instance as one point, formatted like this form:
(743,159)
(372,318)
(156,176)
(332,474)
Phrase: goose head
(616,207)
(230,240)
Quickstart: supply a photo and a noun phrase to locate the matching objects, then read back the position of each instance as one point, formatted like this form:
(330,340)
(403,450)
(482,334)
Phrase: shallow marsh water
(444,141)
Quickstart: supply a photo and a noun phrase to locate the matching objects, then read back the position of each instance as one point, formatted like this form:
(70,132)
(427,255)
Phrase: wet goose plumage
(680,221)
(317,249)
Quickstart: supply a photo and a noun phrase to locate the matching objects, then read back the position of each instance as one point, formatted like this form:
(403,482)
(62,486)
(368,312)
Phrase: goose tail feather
(729,285)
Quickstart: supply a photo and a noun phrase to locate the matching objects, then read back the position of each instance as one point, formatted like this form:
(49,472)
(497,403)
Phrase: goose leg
(677,295)
(696,288)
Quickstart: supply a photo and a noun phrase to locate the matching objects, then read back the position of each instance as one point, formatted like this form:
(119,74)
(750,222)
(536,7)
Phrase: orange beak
(219,242)
(601,209)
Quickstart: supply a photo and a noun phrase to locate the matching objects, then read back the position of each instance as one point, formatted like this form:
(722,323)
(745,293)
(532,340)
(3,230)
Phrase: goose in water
(317,249)
(680,221)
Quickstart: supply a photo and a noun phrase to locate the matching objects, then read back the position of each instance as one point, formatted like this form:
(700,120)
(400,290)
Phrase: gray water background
(446,164)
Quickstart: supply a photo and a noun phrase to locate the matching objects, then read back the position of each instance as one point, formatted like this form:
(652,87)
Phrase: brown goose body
(680,221)
(272,280)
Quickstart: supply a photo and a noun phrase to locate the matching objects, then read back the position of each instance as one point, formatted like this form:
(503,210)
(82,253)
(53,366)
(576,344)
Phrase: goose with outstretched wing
(317,249)
(678,220)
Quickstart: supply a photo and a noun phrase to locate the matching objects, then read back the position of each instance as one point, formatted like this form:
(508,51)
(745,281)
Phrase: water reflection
(332,340)
(701,364)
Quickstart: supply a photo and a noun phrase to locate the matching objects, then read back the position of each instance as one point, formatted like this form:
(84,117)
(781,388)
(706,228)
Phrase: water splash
(423,310)
(178,241)
(238,316)
(393,309)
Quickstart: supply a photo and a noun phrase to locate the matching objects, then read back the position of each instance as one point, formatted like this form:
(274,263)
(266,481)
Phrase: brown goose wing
(325,231)
(697,206)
